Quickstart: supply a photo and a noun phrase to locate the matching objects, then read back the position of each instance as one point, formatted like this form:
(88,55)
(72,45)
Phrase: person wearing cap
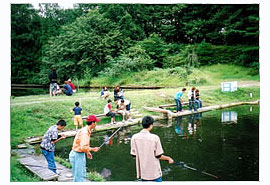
(48,142)
(72,85)
(146,148)
(80,148)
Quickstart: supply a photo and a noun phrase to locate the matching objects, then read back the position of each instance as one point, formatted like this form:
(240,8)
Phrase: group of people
(194,100)
(118,93)
(145,147)
(68,89)
(122,105)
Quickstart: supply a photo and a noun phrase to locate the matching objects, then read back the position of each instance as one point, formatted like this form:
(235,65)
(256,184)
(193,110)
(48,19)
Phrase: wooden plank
(171,105)
(204,109)
(38,168)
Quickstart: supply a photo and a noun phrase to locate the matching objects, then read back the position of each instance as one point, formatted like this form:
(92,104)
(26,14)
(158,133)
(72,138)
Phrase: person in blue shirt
(77,115)
(178,98)
(67,89)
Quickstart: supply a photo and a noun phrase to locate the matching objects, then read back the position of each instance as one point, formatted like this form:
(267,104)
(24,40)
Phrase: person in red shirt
(109,112)
(72,85)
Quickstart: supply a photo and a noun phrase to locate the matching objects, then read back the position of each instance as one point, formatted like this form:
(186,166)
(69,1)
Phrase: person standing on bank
(178,98)
(146,148)
(53,82)
(48,142)
(81,146)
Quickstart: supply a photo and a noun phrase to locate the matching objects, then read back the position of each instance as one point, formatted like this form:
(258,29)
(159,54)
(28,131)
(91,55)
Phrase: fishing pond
(223,142)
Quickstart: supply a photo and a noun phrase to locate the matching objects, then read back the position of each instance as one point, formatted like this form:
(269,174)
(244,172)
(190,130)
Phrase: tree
(25,43)
(83,45)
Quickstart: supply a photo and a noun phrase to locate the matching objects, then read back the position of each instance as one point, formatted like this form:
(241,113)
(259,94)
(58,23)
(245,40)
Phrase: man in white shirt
(146,148)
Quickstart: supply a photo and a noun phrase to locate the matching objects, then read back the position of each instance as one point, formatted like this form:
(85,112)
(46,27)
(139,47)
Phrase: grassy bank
(33,115)
(174,77)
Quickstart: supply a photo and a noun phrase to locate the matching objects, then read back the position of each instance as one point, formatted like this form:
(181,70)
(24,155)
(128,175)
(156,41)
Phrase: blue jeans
(178,105)
(49,156)
(78,162)
(192,104)
(155,180)
(199,103)
(128,107)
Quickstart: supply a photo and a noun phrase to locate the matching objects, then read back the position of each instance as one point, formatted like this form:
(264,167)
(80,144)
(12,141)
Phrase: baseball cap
(92,118)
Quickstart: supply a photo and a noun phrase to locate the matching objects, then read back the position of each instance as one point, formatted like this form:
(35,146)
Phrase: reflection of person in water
(194,123)
(179,126)
(124,135)
(197,118)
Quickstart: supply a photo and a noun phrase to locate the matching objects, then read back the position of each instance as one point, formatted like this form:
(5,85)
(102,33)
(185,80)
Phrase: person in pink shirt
(146,148)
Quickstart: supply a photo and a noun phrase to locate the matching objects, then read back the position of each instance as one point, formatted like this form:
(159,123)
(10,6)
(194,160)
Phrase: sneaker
(123,121)
(130,120)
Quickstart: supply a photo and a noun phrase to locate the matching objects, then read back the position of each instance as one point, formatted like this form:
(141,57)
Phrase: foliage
(85,41)
(134,59)
(25,44)
(63,162)
(154,47)
(95,176)
(79,47)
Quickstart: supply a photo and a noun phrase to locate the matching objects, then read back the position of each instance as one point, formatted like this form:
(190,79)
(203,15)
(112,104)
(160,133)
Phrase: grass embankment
(34,119)
(174,77)
(33,115)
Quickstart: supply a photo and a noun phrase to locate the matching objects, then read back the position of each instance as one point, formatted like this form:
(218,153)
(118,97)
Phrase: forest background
(97,40)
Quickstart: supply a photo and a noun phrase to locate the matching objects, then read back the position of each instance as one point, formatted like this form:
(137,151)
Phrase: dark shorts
(111,114)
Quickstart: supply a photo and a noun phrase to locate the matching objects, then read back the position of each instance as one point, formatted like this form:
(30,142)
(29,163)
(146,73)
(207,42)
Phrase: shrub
(134,59)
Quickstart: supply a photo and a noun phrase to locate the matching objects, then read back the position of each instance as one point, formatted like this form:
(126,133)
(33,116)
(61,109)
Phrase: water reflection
(229,117)
(193,123)
(123,136)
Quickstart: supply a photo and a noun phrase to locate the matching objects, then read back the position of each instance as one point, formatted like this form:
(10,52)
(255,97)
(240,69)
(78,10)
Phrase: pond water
(224,143)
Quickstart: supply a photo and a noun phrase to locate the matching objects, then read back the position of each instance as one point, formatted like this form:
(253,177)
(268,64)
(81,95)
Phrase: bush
(94,176)
(134,59)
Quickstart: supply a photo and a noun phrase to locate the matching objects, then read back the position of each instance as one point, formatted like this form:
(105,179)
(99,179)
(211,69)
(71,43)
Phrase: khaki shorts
(78,120)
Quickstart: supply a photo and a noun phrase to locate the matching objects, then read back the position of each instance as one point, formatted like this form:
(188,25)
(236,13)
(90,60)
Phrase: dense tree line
(99,39)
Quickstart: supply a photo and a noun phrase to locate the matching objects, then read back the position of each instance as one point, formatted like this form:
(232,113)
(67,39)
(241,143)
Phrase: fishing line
(195,169)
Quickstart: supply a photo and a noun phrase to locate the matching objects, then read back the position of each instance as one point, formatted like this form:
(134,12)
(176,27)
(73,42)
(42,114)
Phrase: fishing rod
(110,137)
(195,169)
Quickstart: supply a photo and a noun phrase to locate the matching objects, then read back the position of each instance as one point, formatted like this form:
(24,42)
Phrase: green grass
(18,173)
(205,75)
(34,119)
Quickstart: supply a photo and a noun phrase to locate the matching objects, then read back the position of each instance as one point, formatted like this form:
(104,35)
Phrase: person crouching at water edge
(81,146)
(146,148)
